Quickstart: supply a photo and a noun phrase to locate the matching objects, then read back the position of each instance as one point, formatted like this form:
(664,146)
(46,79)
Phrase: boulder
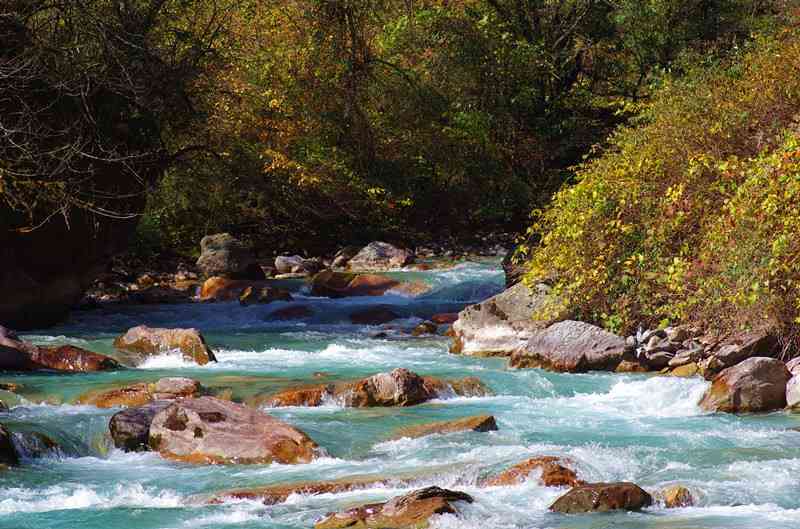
(501,324)
(373,316)
(344,255)
(572,347)
(8,453)
(289,264)
(150,341)
(399,387)
(737,348)
(676,497)
(18,355)
(224,255)
(602,497)
(410,511)
(631,366)
(445,318)
(478,423)
(130,428)
(550,470)
(793,366)
(380,256)
(332,284)
(685,371)
(426,327)
(251,295)
(793,393)
(756,384)
(217,288)
(514,268)
(175,387)
(209,430)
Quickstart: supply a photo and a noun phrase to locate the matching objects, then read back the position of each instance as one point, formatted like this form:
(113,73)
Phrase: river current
(743,470)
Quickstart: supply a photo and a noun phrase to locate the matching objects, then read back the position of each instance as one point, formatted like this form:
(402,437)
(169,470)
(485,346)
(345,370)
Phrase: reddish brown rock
(18,355)
(150,341)
(426,327)
(553,473)
(629,366)
(676,497)
(332,284)
(279,493)
(221,289)
(756,384)
(411,511)
(141,393)
(478,423)
(209,430)
(445,318)
(602,497)
(255,294)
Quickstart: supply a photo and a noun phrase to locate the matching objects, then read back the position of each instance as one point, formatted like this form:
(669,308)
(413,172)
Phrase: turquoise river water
(744,470)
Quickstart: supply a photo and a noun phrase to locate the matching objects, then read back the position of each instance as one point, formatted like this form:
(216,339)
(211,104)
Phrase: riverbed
(744,471)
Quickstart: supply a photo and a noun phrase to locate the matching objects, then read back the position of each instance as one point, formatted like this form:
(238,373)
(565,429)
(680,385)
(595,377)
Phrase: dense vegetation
(693,213)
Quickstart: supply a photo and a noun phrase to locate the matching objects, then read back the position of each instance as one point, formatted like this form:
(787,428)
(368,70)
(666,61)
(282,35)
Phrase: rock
(18,355)
(218,288)
(332,284)
(160,295)
(631,366)
(793,393)
(602,497)
(153,341)
(686,356)
(676,497)
(252,295)
(553,473)
(296,312)
(756,384)
(572,347)
(501,324)
(8,454)
(288,264)
(175,387)
(129,396)
(735,349)
(399,387)
(344,255)
(209,430)
(514,268)
(685,371)
(223,255)
(3,407)
(410,511)
(373,316)
(793,366)
(426,327)
(478,423)
(380,256)
(275,494)
(410,289)
(141,393)
(445,318)
(130,428)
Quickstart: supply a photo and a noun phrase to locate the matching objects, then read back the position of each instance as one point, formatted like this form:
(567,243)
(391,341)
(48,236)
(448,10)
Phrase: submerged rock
(572,347)
(756,384)
(399,387)
(478,423)
(209,430)
(499,325)
(374,316)
(18,355)
(552,473)
(380,256)
(410,511)
(274,494)
(445,318)
(130,428)
(296,312)
(8,454)
(332,284)
(263,295)
(141,393)
(677,496)
(602,497)
(224,255)
(150,341)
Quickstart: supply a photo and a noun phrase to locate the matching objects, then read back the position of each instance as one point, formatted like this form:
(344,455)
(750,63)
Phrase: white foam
(68,497)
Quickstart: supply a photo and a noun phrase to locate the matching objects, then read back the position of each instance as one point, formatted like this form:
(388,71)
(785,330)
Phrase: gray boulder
(572,347)
(756,384)
(501,324)
(130,428)
(225,256)
(380,256)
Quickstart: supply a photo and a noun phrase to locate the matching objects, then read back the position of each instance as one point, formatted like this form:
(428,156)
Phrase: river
(743,470)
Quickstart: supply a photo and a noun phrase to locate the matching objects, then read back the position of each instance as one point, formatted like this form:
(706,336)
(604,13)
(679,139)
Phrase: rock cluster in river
(399,387)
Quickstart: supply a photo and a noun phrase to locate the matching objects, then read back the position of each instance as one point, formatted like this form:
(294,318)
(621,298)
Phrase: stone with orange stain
(478,423)
(149,341)
(553,473)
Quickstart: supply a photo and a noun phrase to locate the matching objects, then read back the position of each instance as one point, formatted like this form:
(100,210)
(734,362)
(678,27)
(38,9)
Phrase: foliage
(692,213)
